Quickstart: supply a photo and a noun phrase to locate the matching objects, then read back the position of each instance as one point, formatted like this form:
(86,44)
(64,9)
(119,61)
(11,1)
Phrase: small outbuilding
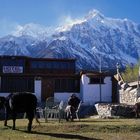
(98,87)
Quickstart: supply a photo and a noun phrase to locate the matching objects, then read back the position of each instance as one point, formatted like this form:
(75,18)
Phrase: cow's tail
(36,116)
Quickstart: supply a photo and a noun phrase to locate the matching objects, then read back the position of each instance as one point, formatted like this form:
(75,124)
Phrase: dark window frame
(52,65)
(96,80)
(17,84)
(67,85)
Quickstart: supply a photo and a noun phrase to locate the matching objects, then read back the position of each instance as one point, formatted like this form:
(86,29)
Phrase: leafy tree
(131,73)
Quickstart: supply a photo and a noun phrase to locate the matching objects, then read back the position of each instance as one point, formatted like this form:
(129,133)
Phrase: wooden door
(47,88)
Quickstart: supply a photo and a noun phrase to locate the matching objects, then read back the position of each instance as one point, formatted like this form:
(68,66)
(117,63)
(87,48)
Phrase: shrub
(131,73)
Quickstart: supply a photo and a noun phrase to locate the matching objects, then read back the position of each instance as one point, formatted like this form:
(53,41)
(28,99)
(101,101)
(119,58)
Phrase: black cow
(2,101)
(137,109)
(20,103)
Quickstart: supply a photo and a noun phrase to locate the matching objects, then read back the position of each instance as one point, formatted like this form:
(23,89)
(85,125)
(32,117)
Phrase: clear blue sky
(51,12)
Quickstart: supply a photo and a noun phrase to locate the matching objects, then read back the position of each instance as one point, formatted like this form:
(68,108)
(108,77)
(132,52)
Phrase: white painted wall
(107,89)
(90,93)
(37,86)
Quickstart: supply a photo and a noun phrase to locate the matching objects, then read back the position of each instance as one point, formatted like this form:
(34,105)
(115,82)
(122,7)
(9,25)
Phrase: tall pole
(138,77)
(100,72)
(117,65)
(100,68)
(138,86)
(118,87)
(100,86)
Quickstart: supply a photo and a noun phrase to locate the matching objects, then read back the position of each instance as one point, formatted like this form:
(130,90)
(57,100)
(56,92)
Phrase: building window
(96,80)
(52,65)
(67,85)
(17,84)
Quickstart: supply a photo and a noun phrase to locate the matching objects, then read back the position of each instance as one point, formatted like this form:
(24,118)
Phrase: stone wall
(106,110)
(128,95)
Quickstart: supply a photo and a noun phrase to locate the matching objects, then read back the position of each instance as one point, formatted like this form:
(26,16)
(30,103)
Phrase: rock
(107,110)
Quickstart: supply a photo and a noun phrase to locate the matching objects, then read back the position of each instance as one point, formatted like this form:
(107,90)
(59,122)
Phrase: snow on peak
(94,14)
(34,30)
(67,23)
(93,18)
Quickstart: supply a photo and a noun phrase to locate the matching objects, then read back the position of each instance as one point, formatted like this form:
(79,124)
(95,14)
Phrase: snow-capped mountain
(93,40)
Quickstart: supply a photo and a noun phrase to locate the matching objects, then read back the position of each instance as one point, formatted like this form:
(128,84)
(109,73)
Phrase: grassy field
(85,129)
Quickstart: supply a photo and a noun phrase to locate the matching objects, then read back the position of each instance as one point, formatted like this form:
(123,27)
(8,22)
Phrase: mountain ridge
(91,40)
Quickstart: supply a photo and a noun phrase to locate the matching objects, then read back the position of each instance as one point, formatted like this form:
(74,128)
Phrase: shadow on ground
(65,136)
(57,135)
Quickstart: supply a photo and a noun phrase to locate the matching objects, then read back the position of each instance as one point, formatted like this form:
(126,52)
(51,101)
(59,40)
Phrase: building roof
(94,74)
(37,59)
(42,75)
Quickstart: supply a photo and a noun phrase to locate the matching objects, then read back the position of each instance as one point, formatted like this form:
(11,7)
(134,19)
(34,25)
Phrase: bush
(131,73)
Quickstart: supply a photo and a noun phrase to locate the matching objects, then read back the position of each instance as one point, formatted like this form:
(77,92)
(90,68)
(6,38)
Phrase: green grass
(86,129)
